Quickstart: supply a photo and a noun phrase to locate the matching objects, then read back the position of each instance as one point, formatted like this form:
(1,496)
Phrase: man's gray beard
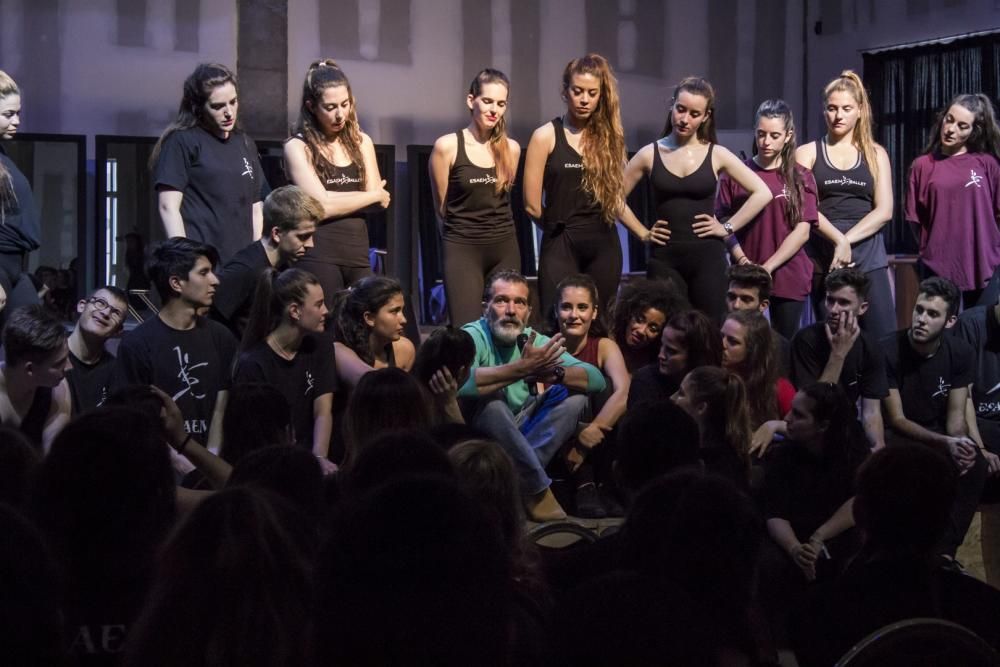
(505,335)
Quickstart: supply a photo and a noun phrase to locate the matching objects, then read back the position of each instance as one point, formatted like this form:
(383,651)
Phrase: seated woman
(689,341)
(577,314)
(368,324)
(442,365)
(807,494)
(717,400)
(282,346)
(638,316)
(749,350)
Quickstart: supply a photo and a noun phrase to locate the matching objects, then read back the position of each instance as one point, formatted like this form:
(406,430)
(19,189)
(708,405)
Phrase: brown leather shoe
(544,507)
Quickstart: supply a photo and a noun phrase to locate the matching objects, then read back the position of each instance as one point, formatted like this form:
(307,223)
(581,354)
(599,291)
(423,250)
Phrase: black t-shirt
(191,366)
(221,180)
(650,385)
(237,282)
(979,328)
(925,382)
(803,488)
(20,230)
(863,374)
(89,384)
(311,374)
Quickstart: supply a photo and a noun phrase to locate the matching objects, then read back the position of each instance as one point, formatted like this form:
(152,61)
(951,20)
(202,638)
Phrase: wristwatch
(728,226)
(558,375)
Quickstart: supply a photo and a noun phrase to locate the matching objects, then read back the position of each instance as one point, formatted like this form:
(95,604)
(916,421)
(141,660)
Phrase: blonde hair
(499,147)
(602,142)
(8,199)
(323,74)
(863,136)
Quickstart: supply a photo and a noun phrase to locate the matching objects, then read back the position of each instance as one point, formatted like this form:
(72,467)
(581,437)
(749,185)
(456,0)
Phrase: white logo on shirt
(843,180)
(573,165)
(943,388)
(488,179)
(248,171)
(309,383)
(974,179)
(784,193)
(343,179)
(184,362)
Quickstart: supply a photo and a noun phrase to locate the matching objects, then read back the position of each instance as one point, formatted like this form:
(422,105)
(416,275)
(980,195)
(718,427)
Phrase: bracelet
(180,450)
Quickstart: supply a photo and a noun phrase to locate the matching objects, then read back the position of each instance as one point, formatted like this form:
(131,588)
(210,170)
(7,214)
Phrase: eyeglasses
(100,304)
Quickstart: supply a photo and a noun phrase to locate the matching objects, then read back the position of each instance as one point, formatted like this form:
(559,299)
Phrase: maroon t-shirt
(955,202)
(765,233)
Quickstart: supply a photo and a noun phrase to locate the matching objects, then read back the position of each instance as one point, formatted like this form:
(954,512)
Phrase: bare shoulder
(805,154)
(366,141)
(405,353)
(514,146)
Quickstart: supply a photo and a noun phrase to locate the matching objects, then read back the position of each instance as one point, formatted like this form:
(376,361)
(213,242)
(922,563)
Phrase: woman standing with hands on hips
(683,167)
(330,158)
(209,183)
(20,232)
(573,184)
(854,185)
(953,198)
(471,173)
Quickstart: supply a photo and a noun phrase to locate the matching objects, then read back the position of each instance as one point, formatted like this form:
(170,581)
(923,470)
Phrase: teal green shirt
(489,355)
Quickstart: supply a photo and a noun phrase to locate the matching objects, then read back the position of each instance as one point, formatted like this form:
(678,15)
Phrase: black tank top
(844,194)
(566,202)
(679,200)
(341,240)
(474,212)
(33,423)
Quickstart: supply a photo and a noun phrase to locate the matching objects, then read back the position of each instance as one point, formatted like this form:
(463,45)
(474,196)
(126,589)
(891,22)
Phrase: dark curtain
(908,88)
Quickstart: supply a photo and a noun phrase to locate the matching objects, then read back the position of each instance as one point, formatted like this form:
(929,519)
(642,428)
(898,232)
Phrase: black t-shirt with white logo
(925,382)
(863,373)
(190,366)
(221,180)
(90,384)
(303,379)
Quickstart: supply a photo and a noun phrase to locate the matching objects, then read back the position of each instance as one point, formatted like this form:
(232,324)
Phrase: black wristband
(180,450)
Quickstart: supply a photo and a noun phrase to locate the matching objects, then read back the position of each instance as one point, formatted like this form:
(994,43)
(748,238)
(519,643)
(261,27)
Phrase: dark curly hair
(638,296)
(368,295)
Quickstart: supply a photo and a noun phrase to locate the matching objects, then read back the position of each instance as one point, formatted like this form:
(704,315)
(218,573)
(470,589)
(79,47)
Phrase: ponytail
(864,133)
(275,291)
(737,416)
(727,418)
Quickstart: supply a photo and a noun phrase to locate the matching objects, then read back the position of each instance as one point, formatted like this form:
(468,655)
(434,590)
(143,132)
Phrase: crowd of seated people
(326,491)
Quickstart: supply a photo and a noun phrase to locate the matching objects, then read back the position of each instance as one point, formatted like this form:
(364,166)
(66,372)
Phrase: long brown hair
(759,369)
(864,135)
(790,176)
(602,142)
(321,75)
(499,147)
(198,87)
(985,135)
(696,86)
(728,415)
(8,199)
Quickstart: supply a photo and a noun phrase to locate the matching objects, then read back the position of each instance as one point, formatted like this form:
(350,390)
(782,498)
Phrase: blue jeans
(532,436)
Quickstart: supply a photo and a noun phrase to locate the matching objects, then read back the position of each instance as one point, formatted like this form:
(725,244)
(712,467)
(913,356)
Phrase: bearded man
(511,360)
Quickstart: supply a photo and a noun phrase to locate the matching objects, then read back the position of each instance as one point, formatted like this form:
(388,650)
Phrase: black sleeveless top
(474,212)
(844,194)
(678,200)
(33,423)
(567,204)
(341,240)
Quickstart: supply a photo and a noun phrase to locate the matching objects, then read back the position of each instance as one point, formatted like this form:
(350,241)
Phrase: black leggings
(785,315)
(699,270)
(466,267)
(333,277)
(594,251)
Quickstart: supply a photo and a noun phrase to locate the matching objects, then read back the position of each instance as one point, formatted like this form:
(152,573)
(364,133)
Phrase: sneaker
(588,502)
